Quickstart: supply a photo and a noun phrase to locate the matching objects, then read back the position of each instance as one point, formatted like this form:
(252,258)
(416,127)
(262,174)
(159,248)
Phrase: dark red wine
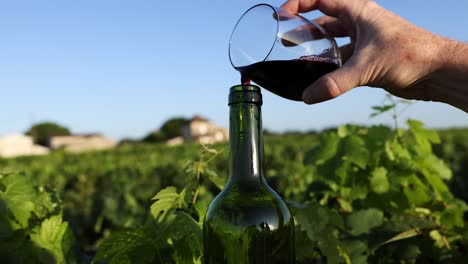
(289,78)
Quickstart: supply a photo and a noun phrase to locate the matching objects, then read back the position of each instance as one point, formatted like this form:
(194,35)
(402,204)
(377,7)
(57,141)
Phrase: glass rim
(277,11)
(240,19)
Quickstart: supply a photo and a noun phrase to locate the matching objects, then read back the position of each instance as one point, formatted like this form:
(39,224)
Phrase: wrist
(459,51)
(449,78)
(450,52)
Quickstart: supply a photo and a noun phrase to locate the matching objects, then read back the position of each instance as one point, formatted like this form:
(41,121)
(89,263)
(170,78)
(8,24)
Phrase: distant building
(175,141)
(20,145)
(81,143)
(203,131)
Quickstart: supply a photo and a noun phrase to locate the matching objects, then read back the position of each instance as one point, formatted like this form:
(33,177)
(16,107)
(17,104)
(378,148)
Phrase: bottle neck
(245,143)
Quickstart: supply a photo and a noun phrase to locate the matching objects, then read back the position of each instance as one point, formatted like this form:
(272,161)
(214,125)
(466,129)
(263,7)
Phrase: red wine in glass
(288,78)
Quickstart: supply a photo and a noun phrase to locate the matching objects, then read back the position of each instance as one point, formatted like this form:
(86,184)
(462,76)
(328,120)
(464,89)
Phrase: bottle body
(248,222)
(248,227)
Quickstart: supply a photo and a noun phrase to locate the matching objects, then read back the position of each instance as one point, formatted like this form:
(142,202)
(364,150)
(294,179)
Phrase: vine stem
(395,114)
(195,196)
(199,171)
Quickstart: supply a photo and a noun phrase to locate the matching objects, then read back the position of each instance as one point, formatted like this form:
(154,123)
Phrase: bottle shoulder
(244,194)
(249,206)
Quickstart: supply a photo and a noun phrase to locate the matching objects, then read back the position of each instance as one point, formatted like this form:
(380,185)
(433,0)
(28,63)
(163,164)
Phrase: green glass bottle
(247,222)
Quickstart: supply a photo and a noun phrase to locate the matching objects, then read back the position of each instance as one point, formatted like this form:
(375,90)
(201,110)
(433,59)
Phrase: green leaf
(128,246)
(423,136)
(356,251)
(362,222)
(379,181)
(215,179)
(330,247)
(18,248)
(314,220)
(317,220)
(201,206)
(438,166)
(452,216)
(326,150)
(439,187)
(187,194)
(396,151)
(415,190)
(342,131)
(54,236)
(347,130)
(166,201)
(321,225)
(378,110)
(305,248)
(17,197)
(440,241)
(47,202)
(177,237)
(345,205)
(356,191)
(356,151)
(377,137)
(403,235)
(389,151)
(5,226)
(187,237)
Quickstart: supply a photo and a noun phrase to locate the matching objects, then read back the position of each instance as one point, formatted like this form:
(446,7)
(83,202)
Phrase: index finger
(328,7)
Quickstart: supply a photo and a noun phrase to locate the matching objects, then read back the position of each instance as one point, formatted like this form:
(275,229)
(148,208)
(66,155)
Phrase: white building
(202,131)
(20,145)
(81,143)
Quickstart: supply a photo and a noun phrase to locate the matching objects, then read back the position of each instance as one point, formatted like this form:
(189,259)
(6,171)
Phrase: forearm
(450,81)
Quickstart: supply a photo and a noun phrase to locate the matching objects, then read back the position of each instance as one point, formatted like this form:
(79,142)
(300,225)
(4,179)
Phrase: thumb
(332,85)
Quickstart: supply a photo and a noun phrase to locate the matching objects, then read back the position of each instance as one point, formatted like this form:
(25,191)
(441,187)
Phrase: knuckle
(332,88)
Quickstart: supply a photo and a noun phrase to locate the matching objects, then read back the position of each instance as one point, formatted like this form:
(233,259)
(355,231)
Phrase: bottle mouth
(239,94)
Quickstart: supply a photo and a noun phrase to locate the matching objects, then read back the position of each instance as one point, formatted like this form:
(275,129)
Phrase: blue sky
(122,68)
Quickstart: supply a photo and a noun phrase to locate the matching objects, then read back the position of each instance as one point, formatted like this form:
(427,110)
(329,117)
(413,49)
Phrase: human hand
(385,51)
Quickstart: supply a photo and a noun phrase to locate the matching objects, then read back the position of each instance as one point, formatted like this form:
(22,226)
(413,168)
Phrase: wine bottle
(247,222)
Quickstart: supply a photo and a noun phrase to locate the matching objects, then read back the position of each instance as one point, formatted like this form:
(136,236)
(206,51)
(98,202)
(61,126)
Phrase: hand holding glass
(281,52)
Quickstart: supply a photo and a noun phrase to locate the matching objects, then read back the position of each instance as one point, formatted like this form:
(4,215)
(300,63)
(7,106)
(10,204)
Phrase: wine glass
(281,52)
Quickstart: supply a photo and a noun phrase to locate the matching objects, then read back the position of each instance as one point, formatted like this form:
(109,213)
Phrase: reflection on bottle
(264,226)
